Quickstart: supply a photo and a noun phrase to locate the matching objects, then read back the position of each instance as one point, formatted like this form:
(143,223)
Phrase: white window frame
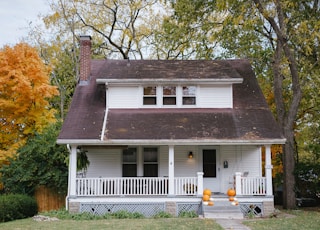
(159,96)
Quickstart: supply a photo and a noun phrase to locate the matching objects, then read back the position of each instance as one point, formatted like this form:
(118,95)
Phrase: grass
(294,220)
(154,224)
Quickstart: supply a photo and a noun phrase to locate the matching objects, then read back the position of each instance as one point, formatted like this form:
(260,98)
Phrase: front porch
(170,191)
(150,196)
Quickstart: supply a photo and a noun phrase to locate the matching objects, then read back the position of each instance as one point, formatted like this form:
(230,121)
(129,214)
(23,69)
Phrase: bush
(14,207)
(186,214)
(162,214)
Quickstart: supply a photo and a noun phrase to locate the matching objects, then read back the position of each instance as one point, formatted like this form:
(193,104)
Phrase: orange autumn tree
(276,160)
(25,91)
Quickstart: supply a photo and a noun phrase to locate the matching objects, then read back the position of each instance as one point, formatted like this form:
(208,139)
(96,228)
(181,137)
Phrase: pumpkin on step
(207,192)
(210,203)
(231,192)
(206,198)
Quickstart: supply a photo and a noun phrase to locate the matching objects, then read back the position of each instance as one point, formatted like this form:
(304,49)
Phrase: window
(209,163)
(189,95)
(150,95)
(129,162)
(150,162)
(169,95)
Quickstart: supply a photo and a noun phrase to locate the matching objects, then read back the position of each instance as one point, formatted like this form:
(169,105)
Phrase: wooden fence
(48,200)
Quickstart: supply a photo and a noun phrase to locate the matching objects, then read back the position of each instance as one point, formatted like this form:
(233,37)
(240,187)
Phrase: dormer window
(188,95)
(150,95)
(169,95)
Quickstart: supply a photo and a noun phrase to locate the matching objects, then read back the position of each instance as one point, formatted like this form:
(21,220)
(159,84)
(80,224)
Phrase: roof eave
(172,142)
(169,81)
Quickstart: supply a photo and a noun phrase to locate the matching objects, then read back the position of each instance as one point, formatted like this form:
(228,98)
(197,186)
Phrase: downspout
(105,115)
(68,192)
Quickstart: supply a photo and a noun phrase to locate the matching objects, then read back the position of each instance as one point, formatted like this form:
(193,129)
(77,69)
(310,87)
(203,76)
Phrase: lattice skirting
(146,209)
(189,207)
(255,209)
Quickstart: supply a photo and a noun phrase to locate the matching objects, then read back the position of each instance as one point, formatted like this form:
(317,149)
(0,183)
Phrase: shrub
(186,214)
(163,214)
(122,214)
(14,207)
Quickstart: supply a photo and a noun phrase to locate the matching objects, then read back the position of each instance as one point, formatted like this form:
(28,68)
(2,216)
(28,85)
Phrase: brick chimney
(85,58)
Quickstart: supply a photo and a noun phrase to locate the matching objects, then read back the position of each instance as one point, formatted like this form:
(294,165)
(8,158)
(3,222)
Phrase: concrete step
(222,209)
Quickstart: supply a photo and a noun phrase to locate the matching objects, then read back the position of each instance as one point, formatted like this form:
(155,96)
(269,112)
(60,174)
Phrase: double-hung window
(150,95)
(129,162)
(150,162)
(169,95)
(188,95)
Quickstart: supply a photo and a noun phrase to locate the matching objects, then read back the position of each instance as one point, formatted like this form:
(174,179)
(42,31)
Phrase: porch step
(222,209)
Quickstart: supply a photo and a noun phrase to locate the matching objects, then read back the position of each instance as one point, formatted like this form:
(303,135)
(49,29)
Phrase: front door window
(209,163)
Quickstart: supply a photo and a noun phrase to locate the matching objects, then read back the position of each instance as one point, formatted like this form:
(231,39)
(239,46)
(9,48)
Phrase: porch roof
(250,120)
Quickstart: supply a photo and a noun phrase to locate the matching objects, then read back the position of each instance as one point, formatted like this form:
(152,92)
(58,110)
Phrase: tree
(39,162)
(121,28)
(281,39)
(25,92)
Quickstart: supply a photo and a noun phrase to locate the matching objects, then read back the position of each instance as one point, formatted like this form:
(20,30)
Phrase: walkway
(232,224)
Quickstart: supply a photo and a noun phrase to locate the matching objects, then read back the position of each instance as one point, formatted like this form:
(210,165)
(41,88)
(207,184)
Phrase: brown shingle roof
(165,69)
(250,119)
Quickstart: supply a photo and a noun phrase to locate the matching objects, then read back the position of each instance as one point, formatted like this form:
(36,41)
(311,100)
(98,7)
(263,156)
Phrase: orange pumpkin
(231,198)
(210,203)
(231,192)
(207,192)
(206,198)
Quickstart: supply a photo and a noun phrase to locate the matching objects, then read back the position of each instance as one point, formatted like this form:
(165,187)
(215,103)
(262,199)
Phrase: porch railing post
(238,183)
(200,183)
(268,171)
(171,171)
(72,171)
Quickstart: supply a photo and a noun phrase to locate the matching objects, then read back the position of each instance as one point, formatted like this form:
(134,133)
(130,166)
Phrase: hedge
(16,206)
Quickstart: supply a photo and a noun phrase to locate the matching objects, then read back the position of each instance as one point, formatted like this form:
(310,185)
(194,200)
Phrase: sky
(16,16)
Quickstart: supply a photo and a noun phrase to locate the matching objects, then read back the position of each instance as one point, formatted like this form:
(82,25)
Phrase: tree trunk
(289,198)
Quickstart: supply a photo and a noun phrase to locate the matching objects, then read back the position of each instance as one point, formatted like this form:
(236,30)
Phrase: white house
(158,132)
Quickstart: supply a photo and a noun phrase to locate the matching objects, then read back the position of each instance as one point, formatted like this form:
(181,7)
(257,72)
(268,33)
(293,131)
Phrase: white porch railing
(135,186)
(251,185)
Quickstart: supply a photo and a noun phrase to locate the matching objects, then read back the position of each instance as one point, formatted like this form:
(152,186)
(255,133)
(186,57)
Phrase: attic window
(150,95)
(169,95)
(189,95)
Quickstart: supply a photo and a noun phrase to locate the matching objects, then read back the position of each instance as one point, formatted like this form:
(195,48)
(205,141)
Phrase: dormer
(168,83)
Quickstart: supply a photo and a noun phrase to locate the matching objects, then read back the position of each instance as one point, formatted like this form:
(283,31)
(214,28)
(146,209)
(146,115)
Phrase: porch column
(171,171)
(72,171)
(200,184)
(238,186)
(268,170)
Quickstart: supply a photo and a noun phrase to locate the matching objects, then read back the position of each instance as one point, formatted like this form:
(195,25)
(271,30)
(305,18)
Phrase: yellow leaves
(24,93)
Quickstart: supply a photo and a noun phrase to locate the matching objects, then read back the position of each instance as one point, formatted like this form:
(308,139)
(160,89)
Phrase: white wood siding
(183,166)
(214,96)
(240,159)
(219,96)
(104,162)
(124,97)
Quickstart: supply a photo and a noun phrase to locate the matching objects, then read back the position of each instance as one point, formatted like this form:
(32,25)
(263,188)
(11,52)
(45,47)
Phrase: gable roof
(250,120)
(164,70)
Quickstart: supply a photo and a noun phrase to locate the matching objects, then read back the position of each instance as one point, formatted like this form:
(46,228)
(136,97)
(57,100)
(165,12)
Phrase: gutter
(170,142)
(120,82)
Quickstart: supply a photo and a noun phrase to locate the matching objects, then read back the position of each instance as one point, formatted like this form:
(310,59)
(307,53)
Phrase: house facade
(158,132)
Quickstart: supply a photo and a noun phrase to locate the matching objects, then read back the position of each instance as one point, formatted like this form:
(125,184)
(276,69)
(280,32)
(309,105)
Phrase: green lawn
(286,220)
(154,224)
